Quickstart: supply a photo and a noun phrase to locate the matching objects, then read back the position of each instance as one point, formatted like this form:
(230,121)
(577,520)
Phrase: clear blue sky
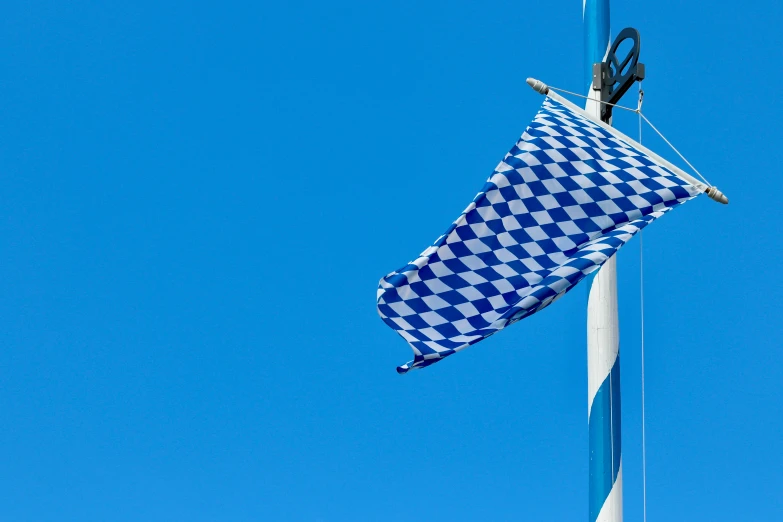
(199,199)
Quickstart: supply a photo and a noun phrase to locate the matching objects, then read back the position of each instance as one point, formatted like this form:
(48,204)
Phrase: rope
(674,149)
(593,99)
(641,299)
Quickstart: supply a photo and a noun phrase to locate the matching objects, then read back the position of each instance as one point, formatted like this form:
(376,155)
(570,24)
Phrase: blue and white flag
(568,195)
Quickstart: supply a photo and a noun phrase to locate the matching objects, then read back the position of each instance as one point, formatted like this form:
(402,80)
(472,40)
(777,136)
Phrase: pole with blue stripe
(603,336)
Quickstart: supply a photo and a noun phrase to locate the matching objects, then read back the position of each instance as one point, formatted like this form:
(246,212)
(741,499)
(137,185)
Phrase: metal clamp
(614,77)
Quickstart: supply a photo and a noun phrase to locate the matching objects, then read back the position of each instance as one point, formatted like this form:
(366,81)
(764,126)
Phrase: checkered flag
(562,201)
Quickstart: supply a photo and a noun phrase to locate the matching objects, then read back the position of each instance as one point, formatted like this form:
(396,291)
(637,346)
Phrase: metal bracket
(613,77)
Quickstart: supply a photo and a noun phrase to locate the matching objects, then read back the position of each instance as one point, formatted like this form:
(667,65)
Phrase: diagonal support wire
(638,110)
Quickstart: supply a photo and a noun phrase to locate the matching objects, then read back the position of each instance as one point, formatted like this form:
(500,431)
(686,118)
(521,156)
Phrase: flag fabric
(565,198)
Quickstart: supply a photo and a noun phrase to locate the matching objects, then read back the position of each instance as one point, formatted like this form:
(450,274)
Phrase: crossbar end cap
(538,86)
(717,195)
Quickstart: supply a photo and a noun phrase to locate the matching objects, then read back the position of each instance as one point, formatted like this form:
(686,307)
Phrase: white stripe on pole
(603,343)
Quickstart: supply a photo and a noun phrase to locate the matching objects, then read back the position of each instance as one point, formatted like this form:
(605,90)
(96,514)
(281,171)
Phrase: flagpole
(603,336)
